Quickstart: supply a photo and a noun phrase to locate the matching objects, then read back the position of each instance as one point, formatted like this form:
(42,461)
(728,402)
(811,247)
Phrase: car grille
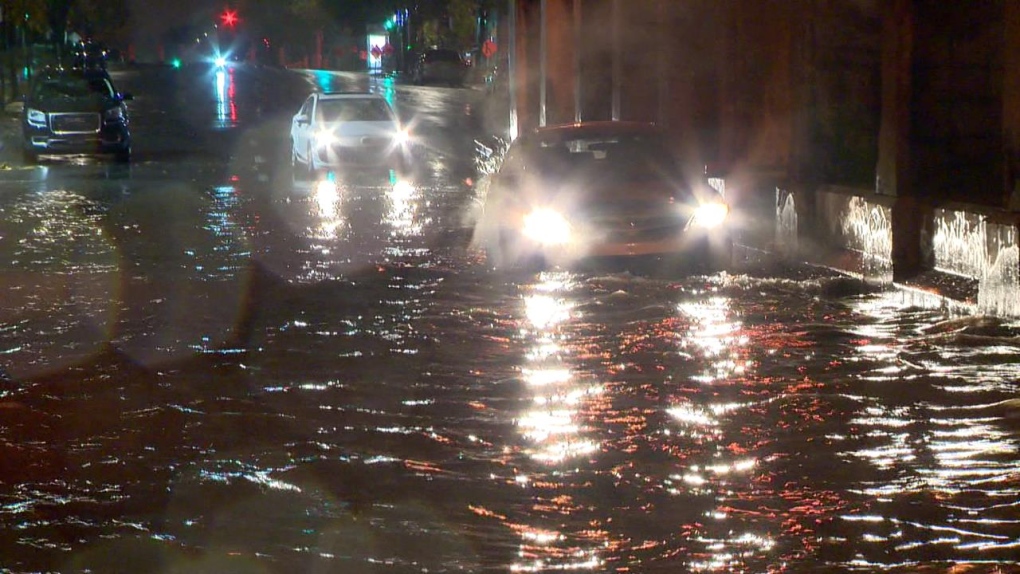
(74,123)
(635,229)
(369,151)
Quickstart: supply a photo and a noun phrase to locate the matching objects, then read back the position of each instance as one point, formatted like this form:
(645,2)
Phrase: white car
(335,131)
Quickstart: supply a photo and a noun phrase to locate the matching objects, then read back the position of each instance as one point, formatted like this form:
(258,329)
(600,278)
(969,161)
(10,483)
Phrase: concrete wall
(971,252)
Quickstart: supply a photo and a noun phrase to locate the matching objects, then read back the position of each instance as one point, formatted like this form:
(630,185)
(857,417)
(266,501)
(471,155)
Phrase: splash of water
(1000,280)
(786,222)
(959,242)
(867,229)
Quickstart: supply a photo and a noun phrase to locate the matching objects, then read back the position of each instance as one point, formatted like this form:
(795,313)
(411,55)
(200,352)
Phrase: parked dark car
(440,66)
(75,112)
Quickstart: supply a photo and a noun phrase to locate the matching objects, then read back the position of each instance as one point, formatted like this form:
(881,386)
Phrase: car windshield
(72,87)
(606,157)
(442,56)
(354,110)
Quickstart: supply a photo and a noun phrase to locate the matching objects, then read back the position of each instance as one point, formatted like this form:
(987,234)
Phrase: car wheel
(30,157)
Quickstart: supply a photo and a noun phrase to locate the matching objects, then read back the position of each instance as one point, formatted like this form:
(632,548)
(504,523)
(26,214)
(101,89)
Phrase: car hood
(604,194)
(72,105)
(360,127)
(349,132)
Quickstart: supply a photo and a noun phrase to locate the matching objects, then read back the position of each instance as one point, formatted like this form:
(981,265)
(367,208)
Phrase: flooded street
(206,366)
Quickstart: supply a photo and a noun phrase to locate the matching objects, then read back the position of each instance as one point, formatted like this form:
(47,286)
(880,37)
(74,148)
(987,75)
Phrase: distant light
(176,62)
(229,17)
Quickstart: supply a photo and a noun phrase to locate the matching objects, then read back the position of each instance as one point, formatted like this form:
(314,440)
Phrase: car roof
(53,73)
(349,96)
(596,129)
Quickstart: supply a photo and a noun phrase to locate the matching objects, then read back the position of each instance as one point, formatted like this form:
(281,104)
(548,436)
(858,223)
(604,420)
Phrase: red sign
(388,49)
(376,52)
(489,49)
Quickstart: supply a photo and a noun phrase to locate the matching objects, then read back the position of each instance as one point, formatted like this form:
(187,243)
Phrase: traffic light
(229,17)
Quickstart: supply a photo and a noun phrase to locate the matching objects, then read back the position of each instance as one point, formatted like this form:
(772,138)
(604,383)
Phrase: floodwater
(243,374)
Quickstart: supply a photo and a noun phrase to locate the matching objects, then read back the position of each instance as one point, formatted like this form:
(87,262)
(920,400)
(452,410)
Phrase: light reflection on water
(553,424)
(457,420)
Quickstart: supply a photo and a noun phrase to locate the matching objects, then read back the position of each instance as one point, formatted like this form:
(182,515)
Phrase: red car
(599,189)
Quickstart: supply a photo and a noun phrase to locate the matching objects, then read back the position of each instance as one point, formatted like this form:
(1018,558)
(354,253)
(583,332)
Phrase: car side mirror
(301,120)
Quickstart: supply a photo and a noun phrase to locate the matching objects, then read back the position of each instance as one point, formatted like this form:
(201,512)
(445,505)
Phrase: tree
(463,15)
(283,23)
(22,18)
(103,19)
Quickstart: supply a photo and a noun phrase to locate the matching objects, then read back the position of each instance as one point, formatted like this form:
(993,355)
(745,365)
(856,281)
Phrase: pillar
(894,158)
(561,70)
(895,169)
(1011,105)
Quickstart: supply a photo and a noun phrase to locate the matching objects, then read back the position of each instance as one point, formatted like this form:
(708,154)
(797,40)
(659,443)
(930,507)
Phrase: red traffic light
(229,17)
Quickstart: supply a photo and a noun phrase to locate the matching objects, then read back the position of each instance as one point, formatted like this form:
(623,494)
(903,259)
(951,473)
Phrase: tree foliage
(28,14)
(105,19)
(50,19)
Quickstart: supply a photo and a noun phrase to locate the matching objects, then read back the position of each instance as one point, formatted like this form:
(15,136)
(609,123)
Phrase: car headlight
(710,215)
(402,138)
(114,114)
(546,227)
(36,118)
(325,138)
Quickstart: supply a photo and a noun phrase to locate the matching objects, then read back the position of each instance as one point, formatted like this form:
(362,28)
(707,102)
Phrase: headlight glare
(325,138)
(36,117)
(710,215)
(402,138)
(547,227)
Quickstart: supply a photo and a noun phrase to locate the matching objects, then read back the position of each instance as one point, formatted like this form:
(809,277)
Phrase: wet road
(209,368)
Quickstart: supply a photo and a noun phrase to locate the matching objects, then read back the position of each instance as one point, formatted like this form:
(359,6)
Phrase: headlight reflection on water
(226,107)
(716,336)
(327,199)
(552,423)
(404,205)
(722,470)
